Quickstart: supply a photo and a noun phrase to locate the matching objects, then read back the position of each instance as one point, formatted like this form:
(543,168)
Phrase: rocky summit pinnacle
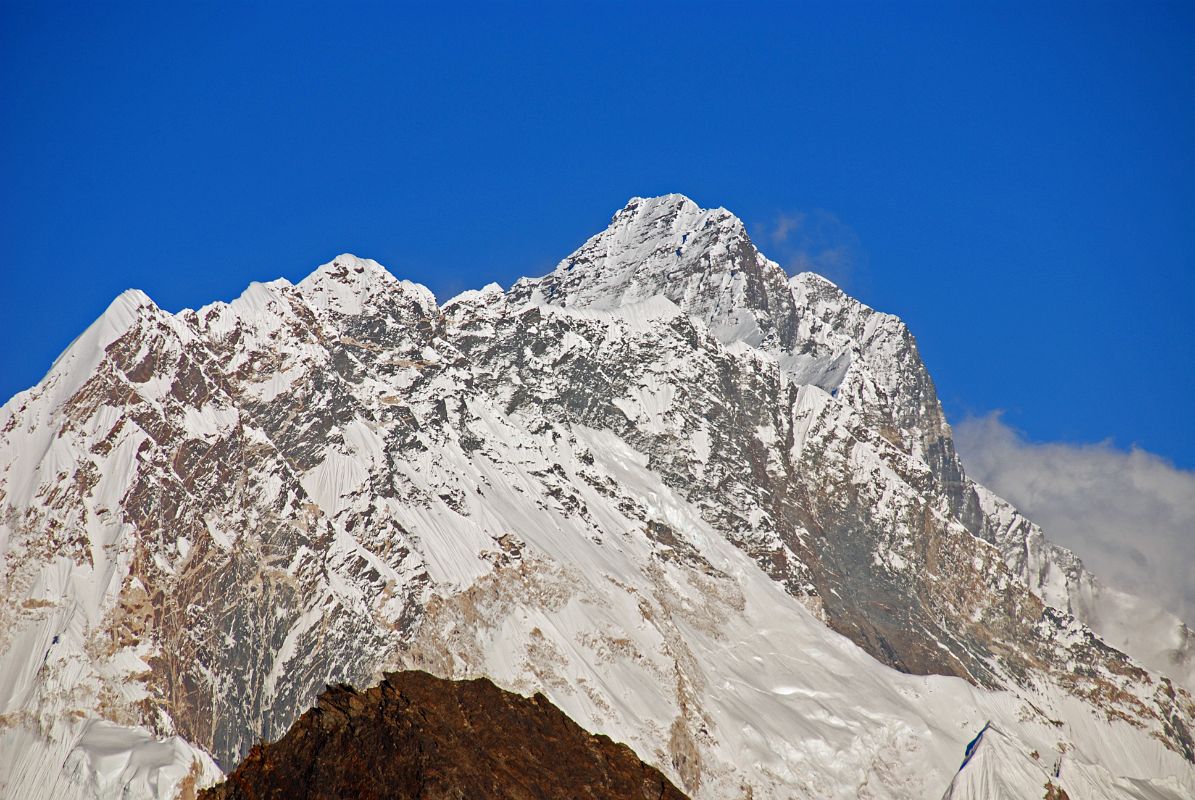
(702,260)
(706,509)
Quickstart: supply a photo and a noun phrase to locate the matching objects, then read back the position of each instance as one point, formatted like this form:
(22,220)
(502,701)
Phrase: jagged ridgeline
(707,509)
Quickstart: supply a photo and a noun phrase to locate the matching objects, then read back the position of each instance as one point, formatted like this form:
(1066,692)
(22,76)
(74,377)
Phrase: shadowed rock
(418,736)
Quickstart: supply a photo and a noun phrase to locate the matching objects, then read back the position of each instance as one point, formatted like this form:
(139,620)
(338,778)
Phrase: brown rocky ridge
(418,736)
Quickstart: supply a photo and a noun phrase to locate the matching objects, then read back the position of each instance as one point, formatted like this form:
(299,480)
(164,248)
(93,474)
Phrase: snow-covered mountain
(710,511)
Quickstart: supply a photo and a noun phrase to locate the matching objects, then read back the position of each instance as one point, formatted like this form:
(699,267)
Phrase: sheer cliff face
(417,737)
(644,484)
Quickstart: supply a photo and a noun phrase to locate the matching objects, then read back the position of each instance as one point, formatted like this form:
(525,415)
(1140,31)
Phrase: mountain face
(417,737)
(706,509)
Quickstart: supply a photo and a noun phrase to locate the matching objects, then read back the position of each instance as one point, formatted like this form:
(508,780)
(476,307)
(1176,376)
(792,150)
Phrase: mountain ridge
(233,506)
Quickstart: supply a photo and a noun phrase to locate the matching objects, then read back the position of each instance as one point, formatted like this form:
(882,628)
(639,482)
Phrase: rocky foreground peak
(418,737)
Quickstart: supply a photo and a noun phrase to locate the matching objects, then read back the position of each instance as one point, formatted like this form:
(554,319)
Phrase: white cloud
(784,225)
(814,241)
(1130,515)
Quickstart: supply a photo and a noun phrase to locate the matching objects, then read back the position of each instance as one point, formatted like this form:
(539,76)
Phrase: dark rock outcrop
(418,736)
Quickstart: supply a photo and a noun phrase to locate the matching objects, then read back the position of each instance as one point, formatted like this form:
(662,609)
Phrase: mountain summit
(707,510)
(669,247)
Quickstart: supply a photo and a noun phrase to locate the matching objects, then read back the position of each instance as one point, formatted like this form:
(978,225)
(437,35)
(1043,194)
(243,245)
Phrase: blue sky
(1017,182)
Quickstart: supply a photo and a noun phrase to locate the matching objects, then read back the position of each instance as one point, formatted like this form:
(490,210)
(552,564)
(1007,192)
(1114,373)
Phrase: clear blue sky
(1017,182)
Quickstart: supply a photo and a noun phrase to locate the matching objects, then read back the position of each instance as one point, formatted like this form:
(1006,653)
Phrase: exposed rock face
(643,485)
(417,737)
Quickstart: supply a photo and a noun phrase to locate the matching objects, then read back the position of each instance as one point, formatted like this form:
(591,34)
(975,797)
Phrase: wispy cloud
(812,241)
(1130,515)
